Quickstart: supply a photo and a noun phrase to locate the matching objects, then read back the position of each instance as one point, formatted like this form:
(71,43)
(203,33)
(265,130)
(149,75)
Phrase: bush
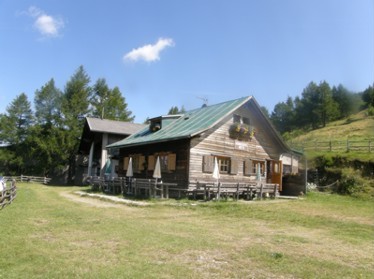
(352,183)
(370,111)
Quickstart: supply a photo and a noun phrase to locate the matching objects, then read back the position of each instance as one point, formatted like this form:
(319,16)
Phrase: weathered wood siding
(217,142)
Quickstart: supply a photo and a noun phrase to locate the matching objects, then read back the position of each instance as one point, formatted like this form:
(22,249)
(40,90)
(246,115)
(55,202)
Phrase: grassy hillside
(342,151)
(349,138)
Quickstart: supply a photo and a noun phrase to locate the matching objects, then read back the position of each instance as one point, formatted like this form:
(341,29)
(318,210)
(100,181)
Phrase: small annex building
(235,132)
(97,134)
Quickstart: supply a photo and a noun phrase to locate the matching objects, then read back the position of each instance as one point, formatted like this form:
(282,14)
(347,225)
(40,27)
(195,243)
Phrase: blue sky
(176,53)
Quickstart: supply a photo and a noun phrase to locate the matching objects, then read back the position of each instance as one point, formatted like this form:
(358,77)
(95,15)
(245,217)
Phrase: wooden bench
(268,189)
(172,187)
(149,187)
(236,190)
(248,190)
(202,189)
(115,186)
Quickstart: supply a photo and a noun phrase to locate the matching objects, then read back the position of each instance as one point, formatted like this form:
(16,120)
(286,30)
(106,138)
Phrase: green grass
(355,127)
(358,127)
(44,234)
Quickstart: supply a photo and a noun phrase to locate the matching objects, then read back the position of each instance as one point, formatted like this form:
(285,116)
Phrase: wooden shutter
(151,162)
(141,163)
(208,163)
(172,160)
(234,166)
(247,167)
(126,163)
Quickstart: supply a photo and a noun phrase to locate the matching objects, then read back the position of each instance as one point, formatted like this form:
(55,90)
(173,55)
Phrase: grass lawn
(49,233)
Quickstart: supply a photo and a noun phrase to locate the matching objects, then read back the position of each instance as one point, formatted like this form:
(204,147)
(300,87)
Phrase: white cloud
(47,25)
(149,53)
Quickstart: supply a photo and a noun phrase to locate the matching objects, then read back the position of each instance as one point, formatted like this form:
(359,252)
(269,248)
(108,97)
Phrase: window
(163,162)
(276,167)
(241,119)
(245,120)
(236,118)
(256,164)
(167,161)
(224,164)
(137,162)
(155,126)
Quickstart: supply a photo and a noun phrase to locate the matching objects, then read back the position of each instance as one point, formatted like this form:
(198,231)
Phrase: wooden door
(276,173)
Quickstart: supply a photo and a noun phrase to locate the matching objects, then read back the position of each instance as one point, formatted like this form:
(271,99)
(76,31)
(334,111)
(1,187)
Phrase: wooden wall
(217,142)
(180,148)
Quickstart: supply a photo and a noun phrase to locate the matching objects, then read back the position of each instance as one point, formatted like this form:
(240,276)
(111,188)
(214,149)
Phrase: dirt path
(98,200)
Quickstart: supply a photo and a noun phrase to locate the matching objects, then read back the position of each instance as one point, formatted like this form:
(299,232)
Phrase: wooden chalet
(97,134)
(236,132)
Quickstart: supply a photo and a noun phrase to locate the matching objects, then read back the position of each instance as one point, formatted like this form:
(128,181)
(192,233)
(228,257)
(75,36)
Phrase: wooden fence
(8,194)
(26,178)
(361,146)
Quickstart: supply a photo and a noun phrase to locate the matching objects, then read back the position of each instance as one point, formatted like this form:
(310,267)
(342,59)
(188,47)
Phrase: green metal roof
(187,125)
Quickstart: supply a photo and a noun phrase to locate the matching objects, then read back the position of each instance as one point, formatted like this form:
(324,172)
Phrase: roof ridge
(219,104)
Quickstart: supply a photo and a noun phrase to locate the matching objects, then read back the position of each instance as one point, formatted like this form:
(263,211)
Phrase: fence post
(330,146)
(347,145)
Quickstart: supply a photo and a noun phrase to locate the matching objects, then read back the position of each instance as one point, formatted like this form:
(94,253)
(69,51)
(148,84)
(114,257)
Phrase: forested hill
(318,105)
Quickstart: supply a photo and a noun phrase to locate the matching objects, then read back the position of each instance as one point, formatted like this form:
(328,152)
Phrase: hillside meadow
(51,232)
(357,130)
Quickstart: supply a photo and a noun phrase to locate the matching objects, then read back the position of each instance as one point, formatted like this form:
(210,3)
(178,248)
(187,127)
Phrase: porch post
(104,153)
(90,159)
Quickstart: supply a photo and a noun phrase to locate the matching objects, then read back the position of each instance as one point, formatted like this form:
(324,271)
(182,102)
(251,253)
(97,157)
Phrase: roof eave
(147,142)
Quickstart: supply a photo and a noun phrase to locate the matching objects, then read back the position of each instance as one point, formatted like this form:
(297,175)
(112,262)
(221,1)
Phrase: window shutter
(126,163)
(234,166)
(141,163)
(208,163)
(151,162)
(247,167)
(172,158)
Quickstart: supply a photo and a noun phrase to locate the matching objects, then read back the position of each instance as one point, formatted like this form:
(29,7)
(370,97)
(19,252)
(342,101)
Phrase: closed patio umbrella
(258,174)
(129,172)
(108,169)
(157,171)
(216,174)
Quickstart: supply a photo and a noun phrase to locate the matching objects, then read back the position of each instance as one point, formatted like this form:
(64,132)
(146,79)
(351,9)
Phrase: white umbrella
(157,171)
(216,174)
(129,172)
(258,175)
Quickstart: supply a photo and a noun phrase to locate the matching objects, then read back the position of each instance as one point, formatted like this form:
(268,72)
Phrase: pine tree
(75,106)
(109,103)
(46,136)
